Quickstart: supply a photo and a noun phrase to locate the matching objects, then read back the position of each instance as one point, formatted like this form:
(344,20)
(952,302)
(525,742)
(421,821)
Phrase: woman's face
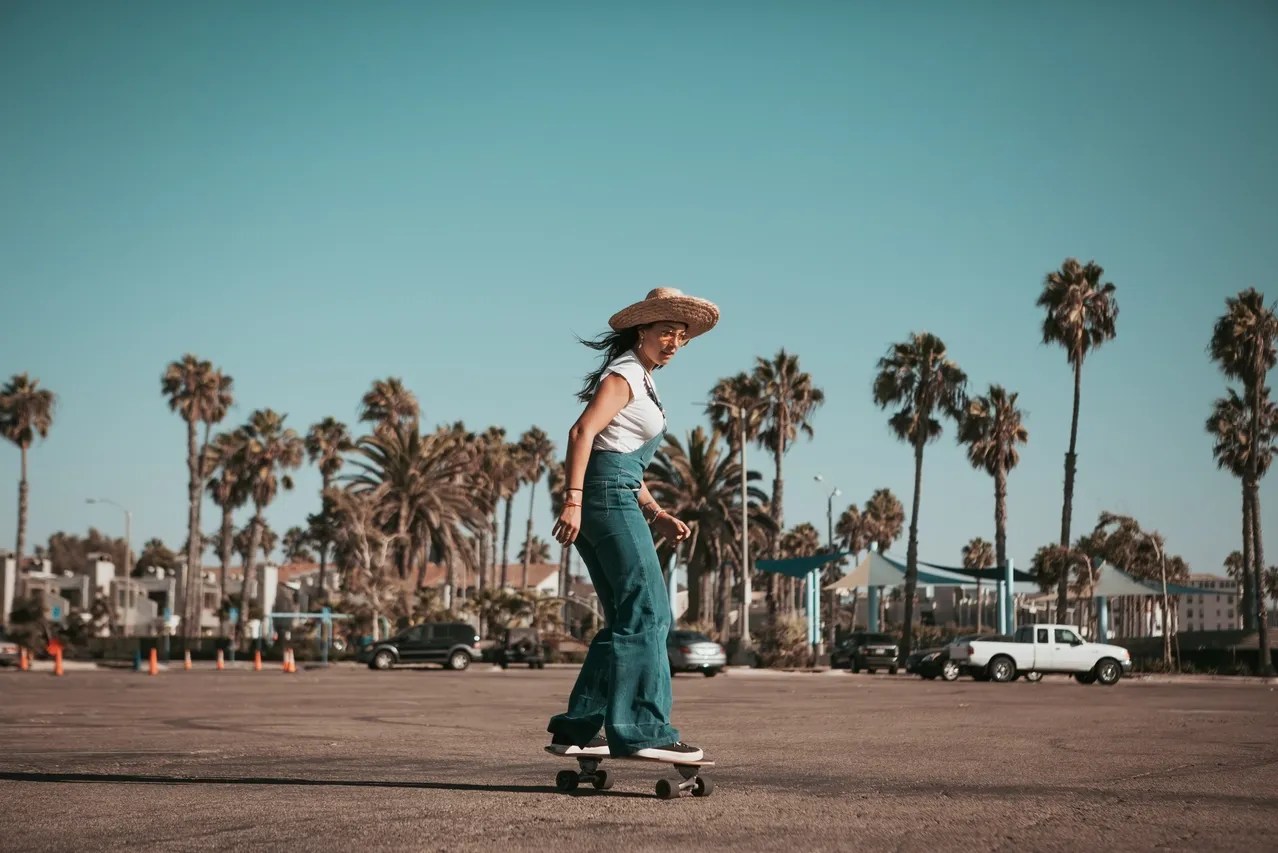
(659,342)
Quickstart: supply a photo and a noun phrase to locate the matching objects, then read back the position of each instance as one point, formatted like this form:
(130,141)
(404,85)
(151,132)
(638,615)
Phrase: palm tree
(537,550)
(556,483)
(1236,570)
(1244,343)
(26,411)
(297,545)
(1270,583)
(1230,425)
(388,404)
(992,429)
(1081,313)
(919,376)
(515,467)
(199,393)
(267,540)
(536,450)
(978,554)
(700,484)
(326,441)
(884,518)
(226,468)
(787,400)
(270,449)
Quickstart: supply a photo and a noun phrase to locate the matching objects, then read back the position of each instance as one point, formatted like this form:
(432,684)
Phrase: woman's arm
(613,394)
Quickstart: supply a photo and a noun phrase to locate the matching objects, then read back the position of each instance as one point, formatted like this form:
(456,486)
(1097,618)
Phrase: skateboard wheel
(665,790)
(566,780)
(602,780)
(702,786)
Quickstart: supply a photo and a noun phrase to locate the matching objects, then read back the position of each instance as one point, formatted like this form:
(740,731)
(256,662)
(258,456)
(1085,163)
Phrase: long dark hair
(612,345)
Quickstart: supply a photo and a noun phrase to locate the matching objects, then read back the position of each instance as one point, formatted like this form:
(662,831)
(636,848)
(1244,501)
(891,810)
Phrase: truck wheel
(383,660)
(1107,671)
(1033,676)
(1085,677)
(950,671)
(458,660)
(1002,669)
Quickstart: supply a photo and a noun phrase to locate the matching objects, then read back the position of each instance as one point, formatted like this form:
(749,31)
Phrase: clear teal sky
(314,195)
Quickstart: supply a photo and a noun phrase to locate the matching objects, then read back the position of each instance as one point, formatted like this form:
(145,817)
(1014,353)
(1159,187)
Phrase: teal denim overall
(624,684)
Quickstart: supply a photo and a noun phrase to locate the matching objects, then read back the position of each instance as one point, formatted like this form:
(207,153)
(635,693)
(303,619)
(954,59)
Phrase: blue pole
(872,602)
(1102,619)
(1002,608)
(326,631)
(1011,600)
(813,615)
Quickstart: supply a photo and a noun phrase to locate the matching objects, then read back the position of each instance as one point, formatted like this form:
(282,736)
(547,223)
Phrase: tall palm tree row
(992,428)
(201,394)
(536,452)
(978,554)
(326,441)
(1244,344)
(269,451)
(918,376)
(699,482)
(786,400)
(228,488)
(1081,315)
(26,411)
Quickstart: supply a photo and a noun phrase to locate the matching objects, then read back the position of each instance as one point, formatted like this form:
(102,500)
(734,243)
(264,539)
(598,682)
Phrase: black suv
(865,650)
(449,643)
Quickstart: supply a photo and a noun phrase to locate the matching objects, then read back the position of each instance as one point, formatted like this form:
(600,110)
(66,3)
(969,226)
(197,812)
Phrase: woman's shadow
(146,779)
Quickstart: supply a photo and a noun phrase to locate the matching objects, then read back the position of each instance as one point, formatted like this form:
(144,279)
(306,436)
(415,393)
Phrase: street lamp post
(128,525)
(746,592)
(816,575)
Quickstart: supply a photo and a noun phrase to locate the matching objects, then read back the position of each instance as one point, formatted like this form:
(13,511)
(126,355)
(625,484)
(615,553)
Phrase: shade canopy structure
(799,567)
(881,570)
(1112,581)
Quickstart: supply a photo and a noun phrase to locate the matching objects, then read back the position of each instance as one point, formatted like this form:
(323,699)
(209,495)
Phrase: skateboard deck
(588,770)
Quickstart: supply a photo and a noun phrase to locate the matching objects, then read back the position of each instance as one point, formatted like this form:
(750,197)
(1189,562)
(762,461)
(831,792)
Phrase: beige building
(1215,611)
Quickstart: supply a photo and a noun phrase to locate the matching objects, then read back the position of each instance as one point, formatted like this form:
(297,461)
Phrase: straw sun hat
(668,303)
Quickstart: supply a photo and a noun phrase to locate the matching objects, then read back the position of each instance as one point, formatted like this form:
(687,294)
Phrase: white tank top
(639,420)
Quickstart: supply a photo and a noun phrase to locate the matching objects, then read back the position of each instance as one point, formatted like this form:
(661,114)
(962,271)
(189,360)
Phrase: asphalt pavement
(426,759)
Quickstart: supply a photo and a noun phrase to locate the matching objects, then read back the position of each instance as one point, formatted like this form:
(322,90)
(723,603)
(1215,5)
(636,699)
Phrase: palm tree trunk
(912,557)
(23,491)
(323,543)
(1258,572)
(224,554)
(1071,462)
(505,540)
(528,535)
(1248,606)
(250,567)
(190,615)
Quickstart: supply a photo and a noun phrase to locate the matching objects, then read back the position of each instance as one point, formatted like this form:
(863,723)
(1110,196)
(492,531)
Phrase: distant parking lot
(431,759)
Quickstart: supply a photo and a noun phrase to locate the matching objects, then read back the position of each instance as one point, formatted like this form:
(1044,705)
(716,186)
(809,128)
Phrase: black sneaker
(677,751)
(562,746)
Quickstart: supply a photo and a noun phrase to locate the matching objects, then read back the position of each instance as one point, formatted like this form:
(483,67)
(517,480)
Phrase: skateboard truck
(589,771)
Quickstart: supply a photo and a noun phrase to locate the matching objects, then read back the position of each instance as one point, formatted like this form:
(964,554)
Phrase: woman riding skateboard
(624,685)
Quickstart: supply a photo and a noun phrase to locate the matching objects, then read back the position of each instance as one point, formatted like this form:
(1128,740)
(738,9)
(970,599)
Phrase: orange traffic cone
(57,661)
(24,662)
(186,662)
(257,660)
(220,664)
(155,662)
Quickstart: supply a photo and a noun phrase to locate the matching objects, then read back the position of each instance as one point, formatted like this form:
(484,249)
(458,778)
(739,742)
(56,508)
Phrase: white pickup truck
(1042,649)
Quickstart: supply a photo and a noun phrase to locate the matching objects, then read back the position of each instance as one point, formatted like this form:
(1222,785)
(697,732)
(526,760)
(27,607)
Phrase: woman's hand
(568,525)
(671,528)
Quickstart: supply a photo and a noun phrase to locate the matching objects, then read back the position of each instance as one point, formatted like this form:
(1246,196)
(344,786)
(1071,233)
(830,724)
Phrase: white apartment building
(1215,611)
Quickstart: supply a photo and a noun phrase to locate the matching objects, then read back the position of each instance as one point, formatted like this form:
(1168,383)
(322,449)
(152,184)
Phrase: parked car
(933,663)
(520,645)
(449,643)
(9,654)
(1044,649)
(692,651)
(865,650)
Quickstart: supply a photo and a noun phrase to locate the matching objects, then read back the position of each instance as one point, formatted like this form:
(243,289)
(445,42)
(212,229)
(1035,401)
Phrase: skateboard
(588,770)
